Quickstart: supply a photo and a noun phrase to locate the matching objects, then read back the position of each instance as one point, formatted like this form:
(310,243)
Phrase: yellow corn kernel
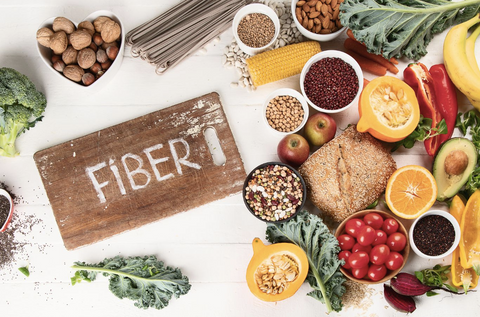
(281,63)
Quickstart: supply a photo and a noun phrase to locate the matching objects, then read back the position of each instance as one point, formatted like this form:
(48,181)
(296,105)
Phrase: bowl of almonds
(87,54)
(318,19)
(285,111)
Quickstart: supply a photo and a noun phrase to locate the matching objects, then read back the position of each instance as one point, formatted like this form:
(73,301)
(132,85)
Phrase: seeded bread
(347,174)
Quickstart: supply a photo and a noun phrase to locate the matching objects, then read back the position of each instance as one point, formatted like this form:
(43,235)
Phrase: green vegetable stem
(144,280)
(436,278)
(321,247)
(24,271)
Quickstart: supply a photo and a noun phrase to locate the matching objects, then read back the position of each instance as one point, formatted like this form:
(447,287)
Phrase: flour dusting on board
(212,117)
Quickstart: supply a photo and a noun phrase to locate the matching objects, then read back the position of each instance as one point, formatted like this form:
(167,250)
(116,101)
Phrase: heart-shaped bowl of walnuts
(87,54)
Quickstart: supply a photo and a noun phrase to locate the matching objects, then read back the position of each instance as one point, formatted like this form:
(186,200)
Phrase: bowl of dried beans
(274,192)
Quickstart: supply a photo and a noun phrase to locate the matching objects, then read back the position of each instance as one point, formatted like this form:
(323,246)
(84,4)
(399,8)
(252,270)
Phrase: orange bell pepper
(466,278)
(470,228)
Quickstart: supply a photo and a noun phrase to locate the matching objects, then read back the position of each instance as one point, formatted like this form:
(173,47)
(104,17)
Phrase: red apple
(293,150)
(319,129)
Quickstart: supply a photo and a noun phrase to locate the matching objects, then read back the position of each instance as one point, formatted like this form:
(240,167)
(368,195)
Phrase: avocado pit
(456,162)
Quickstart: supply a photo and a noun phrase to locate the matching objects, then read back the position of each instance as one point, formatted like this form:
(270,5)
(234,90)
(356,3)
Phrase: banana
(457,64)
(470,50)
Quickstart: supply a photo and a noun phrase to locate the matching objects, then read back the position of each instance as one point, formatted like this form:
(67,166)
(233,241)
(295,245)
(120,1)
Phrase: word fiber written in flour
(179,161)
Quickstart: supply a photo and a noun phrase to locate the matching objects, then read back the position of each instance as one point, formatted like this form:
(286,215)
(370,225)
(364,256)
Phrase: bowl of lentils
(285,111)
(331,81)
(255,28)
(434,235)
(274,192)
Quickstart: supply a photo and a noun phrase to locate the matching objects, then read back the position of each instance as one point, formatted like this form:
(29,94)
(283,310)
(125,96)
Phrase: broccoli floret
(21,107)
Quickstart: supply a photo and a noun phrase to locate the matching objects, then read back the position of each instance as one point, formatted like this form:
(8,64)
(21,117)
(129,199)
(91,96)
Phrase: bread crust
(347,174)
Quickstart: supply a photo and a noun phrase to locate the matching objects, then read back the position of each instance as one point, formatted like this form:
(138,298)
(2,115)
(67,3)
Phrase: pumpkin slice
(388,109)
(276,271)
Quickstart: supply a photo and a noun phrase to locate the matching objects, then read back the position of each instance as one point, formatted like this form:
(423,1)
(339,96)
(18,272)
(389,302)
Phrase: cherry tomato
(352,227)
(358,259)
(366,235)
(360,272)
(377,272)
(346,241)
(396,241)
(344,255)
(394,261)
(358,247)
(390,226)
(380,237)
(373,220)
(379,254)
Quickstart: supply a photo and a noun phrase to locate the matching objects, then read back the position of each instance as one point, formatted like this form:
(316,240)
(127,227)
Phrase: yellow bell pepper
(466,278)
(470,240)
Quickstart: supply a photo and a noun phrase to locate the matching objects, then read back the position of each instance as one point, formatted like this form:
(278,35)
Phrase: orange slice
(411,191)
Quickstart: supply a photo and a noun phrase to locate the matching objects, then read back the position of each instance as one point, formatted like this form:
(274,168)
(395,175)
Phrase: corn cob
(281,63)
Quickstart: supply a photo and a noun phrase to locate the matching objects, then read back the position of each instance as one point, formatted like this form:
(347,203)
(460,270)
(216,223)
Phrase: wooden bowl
(401,228)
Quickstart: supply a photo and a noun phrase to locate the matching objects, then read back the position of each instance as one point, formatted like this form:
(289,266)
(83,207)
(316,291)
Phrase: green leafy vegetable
(146,280)
(312,235)
(435,277)
(21,107)
(404,27)
(422,132)
(24,271)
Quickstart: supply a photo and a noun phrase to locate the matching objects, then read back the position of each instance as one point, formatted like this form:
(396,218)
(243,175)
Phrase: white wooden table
(211,244)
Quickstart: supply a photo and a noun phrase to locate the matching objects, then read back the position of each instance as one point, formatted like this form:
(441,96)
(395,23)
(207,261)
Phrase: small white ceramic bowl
(451,219)
(286,92)
(46,53)
(3,226)
(334,54)
(255,8)
(312,35)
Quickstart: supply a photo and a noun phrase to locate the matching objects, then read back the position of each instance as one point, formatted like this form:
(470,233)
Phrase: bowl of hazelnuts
(87,54)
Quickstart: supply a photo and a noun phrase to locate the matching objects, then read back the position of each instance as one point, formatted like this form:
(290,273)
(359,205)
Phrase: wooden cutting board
(140,171)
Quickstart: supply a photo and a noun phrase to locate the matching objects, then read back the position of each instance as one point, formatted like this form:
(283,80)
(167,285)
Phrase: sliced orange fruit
(411,191)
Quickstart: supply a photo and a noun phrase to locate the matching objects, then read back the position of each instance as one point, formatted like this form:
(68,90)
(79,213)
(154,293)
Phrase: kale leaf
(310,233)
(403,27)
(144,280)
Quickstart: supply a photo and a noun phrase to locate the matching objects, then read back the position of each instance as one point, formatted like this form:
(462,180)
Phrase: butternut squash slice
(276,271)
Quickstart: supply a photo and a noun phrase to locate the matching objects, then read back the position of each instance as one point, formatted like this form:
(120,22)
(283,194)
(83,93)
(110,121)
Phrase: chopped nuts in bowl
(285,111)
(274,192)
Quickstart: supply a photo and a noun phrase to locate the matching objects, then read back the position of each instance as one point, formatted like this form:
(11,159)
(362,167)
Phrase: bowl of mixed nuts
(274,192)
(318,20)
(87,54)
(285,111)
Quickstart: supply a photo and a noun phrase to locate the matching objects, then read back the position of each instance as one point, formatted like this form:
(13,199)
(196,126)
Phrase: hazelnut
(97,39)
(93,47)
(107,45)
(59,66)
(55,58)
(110,31)
(101,56)
(63,24)
(99,22)
(95,68)
(106,65)
(58,42)
(43,36)
(87,26)
(86,58)
(69,56)
(80,39)
(73,72)
(99,74)
(112,52)
(88,79)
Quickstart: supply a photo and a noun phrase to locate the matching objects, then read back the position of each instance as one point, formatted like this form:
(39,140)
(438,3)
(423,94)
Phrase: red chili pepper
(417,76)
(446,98)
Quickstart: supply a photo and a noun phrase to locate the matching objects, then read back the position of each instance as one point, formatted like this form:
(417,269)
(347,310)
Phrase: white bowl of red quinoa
(6,205)
(331,81)
(274,192)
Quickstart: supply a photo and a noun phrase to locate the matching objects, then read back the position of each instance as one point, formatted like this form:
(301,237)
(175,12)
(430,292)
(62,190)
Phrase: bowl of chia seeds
(434,235)
(6,209)
(255,28)
(274,192)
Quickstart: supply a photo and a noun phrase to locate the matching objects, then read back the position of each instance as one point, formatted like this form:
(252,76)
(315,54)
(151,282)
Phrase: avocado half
(448,185)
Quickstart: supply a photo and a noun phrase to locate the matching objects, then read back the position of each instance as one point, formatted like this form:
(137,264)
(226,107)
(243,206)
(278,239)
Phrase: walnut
(98,23)
(87,26)
(69,56)
(110,31)
(80,39)
(59,42)
(43,36)
(63,24)
(86,58)
(73,72)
